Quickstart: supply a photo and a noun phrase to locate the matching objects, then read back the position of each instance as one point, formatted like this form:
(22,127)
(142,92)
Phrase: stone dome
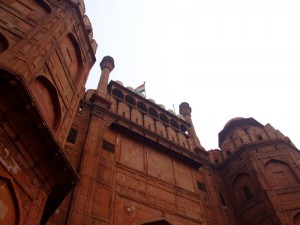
(142,94)
(119,82)
(151,100)
(161,106)
(171,111)
(236,122)
(232,120)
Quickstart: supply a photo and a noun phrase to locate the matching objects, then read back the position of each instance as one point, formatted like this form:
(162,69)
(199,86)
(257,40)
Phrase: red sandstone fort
(112,157)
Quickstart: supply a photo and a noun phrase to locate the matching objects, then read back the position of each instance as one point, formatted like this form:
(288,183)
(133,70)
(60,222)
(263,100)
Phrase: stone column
(107,65)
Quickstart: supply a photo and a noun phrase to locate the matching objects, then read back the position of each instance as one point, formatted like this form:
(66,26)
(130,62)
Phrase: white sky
(226,58)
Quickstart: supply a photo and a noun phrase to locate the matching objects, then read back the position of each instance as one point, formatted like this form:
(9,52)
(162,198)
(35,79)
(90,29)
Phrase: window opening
(222,198)
(201,186)
(247,193)
(108,146)
(153,112)
(72,135)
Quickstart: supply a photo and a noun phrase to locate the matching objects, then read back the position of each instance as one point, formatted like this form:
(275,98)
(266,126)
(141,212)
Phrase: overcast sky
(226,58)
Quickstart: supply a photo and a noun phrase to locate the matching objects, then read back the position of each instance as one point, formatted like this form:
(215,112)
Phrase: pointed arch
(129,99)
(153,112)
(10,213)
(72,56)
(164,118)
(47,98)
(119,94)
(296,220)
(244,188)
(279,173)
(45,6)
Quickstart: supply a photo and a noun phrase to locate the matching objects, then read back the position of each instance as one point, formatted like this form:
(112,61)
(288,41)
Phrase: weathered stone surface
(134,161)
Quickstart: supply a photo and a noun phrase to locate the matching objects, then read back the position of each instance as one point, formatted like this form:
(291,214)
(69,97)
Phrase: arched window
(119,94)
(142,106)
(130,100)
(174,123)
(164,118)
(244,188)
(153,112)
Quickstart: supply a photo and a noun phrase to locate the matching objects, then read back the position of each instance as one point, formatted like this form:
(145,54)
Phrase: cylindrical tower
(107,65)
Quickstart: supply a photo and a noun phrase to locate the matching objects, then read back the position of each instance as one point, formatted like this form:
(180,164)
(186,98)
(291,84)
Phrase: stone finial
(108,63)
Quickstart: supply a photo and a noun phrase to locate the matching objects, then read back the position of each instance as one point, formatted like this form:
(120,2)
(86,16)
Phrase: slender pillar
(107,65)
(100,96)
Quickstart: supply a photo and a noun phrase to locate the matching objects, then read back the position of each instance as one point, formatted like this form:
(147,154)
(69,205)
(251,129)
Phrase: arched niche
(4,44)
(164,118)
(44,5)
(296,219)
(174,123)
(47,98)
(153,112)
(130,100)
(279,173)
(9,208)
(142,106)
(244,188)
(72,55)
(117,93)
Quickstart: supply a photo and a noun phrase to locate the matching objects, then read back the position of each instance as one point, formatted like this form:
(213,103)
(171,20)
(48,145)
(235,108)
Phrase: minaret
(107,65)
(185,110)
(100,97)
